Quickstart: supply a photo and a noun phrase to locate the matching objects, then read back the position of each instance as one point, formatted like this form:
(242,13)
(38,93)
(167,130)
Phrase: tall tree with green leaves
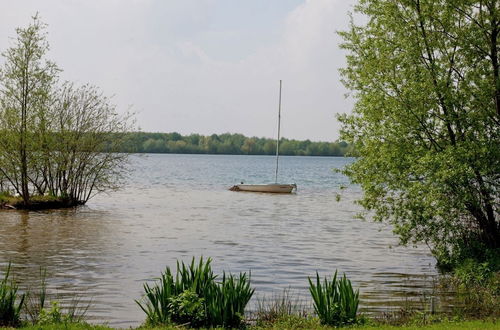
(26,82)
(426,122)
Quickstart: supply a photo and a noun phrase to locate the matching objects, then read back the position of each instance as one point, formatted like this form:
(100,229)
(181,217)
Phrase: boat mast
(278,139)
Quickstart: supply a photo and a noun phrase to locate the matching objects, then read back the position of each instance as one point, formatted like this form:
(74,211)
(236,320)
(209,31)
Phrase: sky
(202,66)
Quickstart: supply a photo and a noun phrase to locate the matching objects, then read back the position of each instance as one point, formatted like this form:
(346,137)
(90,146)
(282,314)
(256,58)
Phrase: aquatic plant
(11,302)
(178,300)
(226,301)
(335,301)
(72,313)
(195,277)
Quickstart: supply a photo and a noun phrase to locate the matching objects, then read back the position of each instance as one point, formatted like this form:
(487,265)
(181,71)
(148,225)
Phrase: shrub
(335,301)
(9,310)
(52,315)
(471,272)
(187,307)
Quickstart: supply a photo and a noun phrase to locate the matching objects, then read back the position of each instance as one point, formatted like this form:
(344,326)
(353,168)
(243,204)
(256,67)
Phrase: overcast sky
(202,66)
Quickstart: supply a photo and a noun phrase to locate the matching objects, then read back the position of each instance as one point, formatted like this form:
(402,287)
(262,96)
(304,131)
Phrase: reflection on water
(178,206)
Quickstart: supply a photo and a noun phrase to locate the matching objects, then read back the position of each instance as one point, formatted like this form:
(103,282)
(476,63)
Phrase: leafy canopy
(426,123)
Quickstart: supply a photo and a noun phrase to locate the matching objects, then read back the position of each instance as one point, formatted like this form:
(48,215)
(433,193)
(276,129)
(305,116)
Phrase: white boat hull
(265,188)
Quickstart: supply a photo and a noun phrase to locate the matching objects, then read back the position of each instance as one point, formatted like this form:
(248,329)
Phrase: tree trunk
(23,133)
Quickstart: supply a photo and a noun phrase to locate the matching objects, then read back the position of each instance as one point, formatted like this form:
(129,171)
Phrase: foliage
(11,302)
(335,301)
(235,144)
(56,140)
(82,158)
(477,289)
(58,315)
(179,299)
(471,272)
(5,196)
(426,123)
(26,83)
(52,315)
(187,308)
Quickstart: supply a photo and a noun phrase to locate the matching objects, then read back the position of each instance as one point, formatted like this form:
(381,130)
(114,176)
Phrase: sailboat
(272,187)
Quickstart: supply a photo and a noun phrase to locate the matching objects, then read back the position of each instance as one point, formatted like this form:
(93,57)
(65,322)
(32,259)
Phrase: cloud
(202,66)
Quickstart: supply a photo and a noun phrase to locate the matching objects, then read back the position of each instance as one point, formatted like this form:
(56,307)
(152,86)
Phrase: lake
(178,206)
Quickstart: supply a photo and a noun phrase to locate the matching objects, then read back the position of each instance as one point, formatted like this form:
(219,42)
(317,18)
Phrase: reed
(11,303)
(279,307)
(335,301)
(35,301)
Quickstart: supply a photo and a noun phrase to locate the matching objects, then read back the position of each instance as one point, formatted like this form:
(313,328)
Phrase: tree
(82,155)
(426,123)
(248,147)
(58,141)
(27,80)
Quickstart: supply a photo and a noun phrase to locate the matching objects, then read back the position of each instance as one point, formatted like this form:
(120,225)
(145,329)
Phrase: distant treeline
(234,144)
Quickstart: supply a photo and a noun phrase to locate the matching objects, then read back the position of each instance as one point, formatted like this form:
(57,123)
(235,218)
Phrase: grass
(278,307)
(297,322)
(7,198)
(291,322)
(446,325)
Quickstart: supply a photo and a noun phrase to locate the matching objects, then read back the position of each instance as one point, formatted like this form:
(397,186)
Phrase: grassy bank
(292,323)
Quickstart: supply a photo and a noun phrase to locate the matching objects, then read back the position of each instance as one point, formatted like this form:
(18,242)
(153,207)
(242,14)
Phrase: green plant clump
(187,307)
(10,311)
(335,301)
(194,297)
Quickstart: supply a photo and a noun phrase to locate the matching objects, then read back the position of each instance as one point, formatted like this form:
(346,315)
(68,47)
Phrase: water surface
(178,206)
